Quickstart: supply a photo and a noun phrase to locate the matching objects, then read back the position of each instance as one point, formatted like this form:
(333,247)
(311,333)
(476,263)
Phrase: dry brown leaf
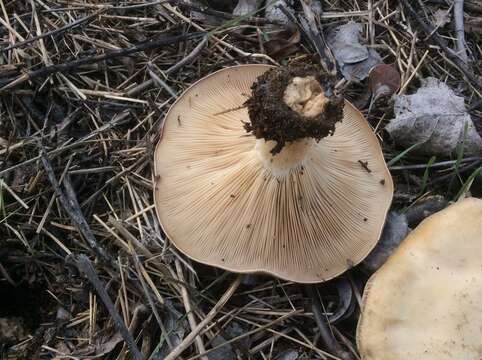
(383,81)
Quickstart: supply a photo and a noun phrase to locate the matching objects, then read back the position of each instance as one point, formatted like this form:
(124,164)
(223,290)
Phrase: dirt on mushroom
(272,119)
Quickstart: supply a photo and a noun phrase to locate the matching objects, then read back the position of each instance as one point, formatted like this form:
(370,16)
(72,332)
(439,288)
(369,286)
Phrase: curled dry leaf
(346,301)
(383,80)
(395,230)
(283,43)
(436,119)
(354,59)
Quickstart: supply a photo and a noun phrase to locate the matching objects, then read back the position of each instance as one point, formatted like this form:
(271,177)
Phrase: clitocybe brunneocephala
(263,169)
(424,302)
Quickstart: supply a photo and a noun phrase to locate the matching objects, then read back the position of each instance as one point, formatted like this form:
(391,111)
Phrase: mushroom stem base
(292,103)
(290,158)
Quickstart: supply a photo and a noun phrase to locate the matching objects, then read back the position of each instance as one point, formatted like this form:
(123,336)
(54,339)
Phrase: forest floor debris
(84,87)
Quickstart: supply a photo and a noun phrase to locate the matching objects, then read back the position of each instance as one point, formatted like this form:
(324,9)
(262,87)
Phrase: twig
(54,32)
(15,196)
(192,335)
(161,83)
(85,266)
(249,333)
(68,199)
(433,166)
(429,30)
(151,302)
(311,27)
(190,315)
(57,151)
(310,30)
(189,57)
(185,60)
(48,70)
(459,30)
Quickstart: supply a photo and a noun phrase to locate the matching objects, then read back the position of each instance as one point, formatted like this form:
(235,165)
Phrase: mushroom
(302,196)
(424,302)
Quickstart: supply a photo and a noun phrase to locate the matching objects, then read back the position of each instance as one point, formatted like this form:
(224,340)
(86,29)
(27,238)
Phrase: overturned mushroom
(303,196)
(424,302)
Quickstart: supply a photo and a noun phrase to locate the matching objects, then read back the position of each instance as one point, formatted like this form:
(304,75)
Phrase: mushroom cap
(424,303)
(220,206)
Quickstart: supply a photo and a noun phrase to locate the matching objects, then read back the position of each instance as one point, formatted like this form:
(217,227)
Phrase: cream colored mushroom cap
(220,206)
(425,302)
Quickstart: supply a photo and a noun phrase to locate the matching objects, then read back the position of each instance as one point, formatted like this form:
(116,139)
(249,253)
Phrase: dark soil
(272,119)
(21,304)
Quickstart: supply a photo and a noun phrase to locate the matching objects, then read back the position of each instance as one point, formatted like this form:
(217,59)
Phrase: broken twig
(195,332)
(85,266)
(459,30)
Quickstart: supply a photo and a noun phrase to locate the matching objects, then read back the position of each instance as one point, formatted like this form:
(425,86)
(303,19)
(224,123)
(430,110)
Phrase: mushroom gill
(305,213)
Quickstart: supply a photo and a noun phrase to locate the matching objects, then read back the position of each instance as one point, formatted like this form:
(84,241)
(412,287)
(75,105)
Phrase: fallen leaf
(441,17)
(354,59)
(435,118)
(383,81)
(100,349)
(107,346)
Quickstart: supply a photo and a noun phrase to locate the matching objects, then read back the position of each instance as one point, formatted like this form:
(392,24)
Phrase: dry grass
(84,87)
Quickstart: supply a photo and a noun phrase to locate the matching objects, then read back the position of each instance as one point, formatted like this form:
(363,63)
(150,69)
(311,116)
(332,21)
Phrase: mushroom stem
(289,109)
(305,97)
(291,156)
